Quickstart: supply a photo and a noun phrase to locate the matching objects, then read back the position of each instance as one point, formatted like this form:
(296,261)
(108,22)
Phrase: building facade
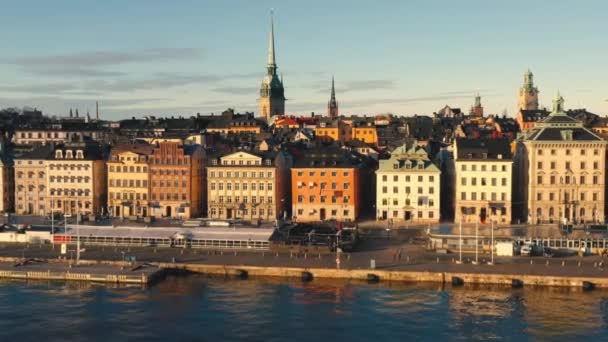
(248,185)
(484,173)
(31,182)
(407,186)
(76,180)
(325,185)
(176,180)
(566,169)
(129,180)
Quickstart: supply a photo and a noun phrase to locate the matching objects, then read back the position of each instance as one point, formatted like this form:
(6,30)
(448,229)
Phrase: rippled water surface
(198,308)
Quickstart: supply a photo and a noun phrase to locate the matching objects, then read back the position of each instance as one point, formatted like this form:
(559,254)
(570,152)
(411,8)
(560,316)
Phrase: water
(208,309)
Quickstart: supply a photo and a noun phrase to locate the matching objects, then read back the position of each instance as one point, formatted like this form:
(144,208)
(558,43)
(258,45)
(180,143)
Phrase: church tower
(332,105)
(528,94)
(477,109)
(272,94)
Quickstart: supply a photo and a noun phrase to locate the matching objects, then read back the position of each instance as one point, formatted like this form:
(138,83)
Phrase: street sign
(64,248)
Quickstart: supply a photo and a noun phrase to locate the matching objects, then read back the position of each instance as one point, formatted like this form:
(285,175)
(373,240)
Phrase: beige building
(128,180)
(248,185)
(484,173)
(31,182)
(76,180)
(566,169)
(407,186)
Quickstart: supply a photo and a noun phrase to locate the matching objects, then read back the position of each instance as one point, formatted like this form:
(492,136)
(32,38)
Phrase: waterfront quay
(399,255)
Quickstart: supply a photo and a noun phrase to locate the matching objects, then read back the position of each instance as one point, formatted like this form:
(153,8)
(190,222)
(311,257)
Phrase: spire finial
(333,89)
(271,58)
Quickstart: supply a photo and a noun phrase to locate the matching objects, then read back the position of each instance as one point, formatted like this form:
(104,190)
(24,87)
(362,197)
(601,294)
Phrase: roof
(326,156)
(38,153)
(533,115)
(561,134)
(483,149)
(207,233)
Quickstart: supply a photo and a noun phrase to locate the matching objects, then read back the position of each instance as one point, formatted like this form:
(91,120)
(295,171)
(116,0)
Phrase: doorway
(322,214)
(228,213)
(168,211)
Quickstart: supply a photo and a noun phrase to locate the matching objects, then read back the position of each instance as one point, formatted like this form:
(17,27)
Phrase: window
(395,178)
(463,196)
(463,167)
(540,152)
(552,179)
(384,178)
(539,165)
(595,180)
(582,180)
(395,190)
(503,182)
(539,196)
(474,181)
(463,181)
(539,179)
(582,165)
(473,196)
(384,189)
(552,165)
(595,165)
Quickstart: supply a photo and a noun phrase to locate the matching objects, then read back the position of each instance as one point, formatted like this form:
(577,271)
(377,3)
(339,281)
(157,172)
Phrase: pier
(42,269)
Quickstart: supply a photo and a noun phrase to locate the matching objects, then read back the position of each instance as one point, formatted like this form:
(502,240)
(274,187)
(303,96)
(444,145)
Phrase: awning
(497,205)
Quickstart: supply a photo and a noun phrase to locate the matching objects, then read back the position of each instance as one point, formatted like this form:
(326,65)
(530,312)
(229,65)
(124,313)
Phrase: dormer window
(79,154)
(420,166)
(68,154)
(484,156)
(59,154)
(396,166)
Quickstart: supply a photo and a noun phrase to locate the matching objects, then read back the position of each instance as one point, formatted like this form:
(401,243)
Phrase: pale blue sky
(147,57)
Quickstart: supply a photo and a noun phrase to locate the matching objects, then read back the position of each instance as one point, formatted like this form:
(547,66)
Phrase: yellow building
(128,180)
(364,131)
(248,185)
(76,180)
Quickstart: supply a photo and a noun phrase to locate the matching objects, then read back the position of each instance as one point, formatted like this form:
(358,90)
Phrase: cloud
(95,63)
(107,58)
(367,85)
(236,90)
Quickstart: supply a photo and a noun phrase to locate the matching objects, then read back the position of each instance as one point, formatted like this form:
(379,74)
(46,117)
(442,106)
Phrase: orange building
(325,186)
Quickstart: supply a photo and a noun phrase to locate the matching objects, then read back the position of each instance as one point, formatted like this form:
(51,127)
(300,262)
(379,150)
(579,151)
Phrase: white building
(407,186)
(564,170)
(484,170)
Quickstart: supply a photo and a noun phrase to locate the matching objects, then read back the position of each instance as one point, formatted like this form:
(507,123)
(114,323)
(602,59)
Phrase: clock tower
(528,94)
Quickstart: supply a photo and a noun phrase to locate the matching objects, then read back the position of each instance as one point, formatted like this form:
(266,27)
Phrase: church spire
(332,106)
(272,65)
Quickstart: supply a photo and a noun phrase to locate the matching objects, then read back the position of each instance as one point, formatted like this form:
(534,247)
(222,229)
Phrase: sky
(182,57)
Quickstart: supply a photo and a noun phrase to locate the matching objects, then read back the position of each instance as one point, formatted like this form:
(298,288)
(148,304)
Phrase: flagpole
(476,242)
(460,244)
(492,247)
